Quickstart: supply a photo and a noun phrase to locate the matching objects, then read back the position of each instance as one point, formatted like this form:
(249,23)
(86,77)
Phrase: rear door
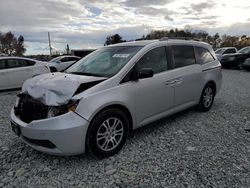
(4,82)
(187,75)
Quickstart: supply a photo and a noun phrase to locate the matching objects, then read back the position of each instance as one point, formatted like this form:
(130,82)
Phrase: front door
(153,96)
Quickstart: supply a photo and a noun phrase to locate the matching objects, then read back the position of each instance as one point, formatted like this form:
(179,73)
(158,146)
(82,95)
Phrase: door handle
(170,82)
(178,81)
(174,82)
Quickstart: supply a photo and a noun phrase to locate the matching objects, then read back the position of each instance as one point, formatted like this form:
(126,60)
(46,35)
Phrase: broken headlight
(59,110)
(72,105)
(55,111)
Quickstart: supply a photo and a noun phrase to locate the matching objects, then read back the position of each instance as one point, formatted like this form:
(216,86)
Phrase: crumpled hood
(55,89)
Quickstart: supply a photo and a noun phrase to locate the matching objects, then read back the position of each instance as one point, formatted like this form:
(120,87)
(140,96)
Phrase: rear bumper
(61,135)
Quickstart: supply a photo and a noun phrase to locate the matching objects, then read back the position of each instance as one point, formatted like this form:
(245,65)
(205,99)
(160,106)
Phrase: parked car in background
(15,70)
(62,62)
(244,53)
(235,59)
(226,56)
(220,52)
(94,104)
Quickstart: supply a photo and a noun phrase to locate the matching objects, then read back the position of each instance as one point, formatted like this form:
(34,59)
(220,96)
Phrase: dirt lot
(191,149)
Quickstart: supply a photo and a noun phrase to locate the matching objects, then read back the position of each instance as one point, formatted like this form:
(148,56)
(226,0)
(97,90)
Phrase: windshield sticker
(120,55)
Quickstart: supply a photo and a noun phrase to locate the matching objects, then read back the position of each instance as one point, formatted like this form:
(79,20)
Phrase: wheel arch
(120,107)
(212,84)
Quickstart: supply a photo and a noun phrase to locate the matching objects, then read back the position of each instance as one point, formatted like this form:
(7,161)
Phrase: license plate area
(15,128)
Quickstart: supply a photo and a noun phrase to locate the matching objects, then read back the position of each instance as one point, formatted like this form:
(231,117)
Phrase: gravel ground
(191,149)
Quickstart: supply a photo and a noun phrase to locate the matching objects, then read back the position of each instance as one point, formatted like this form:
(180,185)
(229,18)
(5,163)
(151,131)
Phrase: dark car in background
(230,60)
(245,52)
(220,52)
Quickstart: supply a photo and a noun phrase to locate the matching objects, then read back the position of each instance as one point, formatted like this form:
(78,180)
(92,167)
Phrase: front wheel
(207,97)
(107,133)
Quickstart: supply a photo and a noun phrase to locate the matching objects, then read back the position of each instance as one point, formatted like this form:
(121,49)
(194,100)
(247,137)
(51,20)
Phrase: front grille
(30,109)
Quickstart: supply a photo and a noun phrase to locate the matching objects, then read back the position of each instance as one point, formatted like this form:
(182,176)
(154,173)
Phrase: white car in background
(15,70)
(62,62)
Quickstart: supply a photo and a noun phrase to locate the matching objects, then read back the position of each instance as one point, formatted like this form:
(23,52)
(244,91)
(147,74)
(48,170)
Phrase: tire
(102,139)
(207,97)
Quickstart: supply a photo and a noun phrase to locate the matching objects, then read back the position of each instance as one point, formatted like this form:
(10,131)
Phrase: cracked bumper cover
(67,132)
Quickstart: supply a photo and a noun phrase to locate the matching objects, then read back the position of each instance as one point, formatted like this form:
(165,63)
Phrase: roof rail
(180,38)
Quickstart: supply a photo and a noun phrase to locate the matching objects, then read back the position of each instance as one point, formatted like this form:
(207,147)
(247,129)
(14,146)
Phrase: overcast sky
(85,24)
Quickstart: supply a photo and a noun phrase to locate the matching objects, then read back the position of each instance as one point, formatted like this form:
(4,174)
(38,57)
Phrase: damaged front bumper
(60,135)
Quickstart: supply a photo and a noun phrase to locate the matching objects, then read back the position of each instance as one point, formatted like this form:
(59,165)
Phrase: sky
(85,24)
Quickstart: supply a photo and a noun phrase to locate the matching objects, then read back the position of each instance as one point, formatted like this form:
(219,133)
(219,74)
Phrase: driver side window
(155,59)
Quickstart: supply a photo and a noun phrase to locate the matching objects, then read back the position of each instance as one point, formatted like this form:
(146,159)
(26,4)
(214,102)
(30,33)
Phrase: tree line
(11,45)
(215,40)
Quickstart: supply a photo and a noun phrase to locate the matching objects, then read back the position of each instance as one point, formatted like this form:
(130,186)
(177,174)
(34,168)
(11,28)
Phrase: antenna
(49,44)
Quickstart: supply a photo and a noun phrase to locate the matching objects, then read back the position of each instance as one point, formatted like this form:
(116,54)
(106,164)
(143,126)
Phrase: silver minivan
(94,105)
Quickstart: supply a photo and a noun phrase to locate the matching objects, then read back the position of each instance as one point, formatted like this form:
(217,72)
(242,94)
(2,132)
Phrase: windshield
(219,51)
(104,62)
(54,60)
(245,50)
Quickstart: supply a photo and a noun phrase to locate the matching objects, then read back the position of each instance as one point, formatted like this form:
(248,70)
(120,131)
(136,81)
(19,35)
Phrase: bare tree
(11,45)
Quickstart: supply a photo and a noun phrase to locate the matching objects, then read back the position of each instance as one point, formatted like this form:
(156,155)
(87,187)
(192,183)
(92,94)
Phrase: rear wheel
(207,97)
(107,133)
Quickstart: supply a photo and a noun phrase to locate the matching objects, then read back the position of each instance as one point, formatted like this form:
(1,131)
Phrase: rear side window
(65,59)
(12,63)
(230,51)
(16,63)
(72,58)
(29,63)
(204,55)
(183,55)
(155,59)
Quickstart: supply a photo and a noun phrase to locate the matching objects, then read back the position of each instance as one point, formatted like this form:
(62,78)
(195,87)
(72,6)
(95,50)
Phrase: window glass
(219,51)
(245,50)
(54,60)
(2,64)
(65,59)
(204,55)
(72,58)
(29,63)
(155,59)
(12,63)
(183,55)
(106,61)
(230,51)
(16,63)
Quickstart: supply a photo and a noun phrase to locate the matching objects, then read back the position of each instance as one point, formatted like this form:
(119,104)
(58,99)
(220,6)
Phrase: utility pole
(49,44)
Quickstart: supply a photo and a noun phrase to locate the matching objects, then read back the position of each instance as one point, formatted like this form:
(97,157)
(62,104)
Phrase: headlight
(72,105)
(54,111)
(59,110)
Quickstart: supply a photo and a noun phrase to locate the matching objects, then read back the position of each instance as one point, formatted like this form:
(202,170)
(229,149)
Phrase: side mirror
(145,73)
(59,61)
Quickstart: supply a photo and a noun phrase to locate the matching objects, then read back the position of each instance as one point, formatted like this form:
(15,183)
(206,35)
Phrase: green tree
(113,39)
